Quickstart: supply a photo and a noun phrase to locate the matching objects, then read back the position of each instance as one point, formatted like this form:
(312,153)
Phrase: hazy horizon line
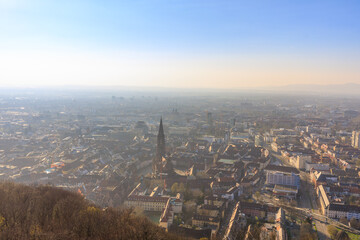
(75,86)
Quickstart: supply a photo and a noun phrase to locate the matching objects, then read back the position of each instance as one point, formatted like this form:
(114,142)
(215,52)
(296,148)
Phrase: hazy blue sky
(188,43)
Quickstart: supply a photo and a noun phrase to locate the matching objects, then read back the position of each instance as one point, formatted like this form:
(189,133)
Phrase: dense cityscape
(179,120)
(211,166)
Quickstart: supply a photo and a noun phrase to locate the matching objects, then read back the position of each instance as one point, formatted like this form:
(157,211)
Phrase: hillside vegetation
(46,212)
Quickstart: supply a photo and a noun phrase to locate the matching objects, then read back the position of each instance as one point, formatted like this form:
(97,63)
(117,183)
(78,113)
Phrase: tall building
(233,122)
(355,139)
(209,119)
(160,149)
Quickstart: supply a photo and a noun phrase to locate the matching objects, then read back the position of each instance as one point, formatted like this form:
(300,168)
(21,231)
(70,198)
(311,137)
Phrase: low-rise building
(281,175)
(343,210)
(335,210)
(253,209)
(147,203)
(289,192)
(205,221)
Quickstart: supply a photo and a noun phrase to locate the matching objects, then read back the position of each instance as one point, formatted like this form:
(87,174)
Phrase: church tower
(160,149)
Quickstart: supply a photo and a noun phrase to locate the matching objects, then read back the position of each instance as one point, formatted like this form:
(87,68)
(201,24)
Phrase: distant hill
(49,213)
(346,89)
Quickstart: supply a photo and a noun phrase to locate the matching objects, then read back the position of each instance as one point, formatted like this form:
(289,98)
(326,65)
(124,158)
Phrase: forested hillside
(46,212)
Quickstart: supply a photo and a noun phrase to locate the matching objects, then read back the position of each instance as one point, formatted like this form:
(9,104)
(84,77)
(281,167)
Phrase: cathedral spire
(161,129)
(160,148)
(160,151)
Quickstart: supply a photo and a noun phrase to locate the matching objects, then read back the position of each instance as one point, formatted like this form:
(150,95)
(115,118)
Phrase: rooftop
(281,169)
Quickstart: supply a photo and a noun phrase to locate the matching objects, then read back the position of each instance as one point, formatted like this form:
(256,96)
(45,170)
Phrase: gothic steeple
(161,130)
(160,148)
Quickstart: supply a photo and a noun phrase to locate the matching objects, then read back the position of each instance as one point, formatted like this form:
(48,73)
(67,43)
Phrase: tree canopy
(46,212)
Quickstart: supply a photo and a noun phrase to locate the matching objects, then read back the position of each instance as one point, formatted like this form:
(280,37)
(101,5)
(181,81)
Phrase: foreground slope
(49,213)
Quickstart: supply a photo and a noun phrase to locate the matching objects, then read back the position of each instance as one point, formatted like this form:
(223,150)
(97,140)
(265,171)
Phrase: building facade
(355,139)
(279,175)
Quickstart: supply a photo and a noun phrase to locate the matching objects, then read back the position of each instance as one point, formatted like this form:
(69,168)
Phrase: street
(308,201)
